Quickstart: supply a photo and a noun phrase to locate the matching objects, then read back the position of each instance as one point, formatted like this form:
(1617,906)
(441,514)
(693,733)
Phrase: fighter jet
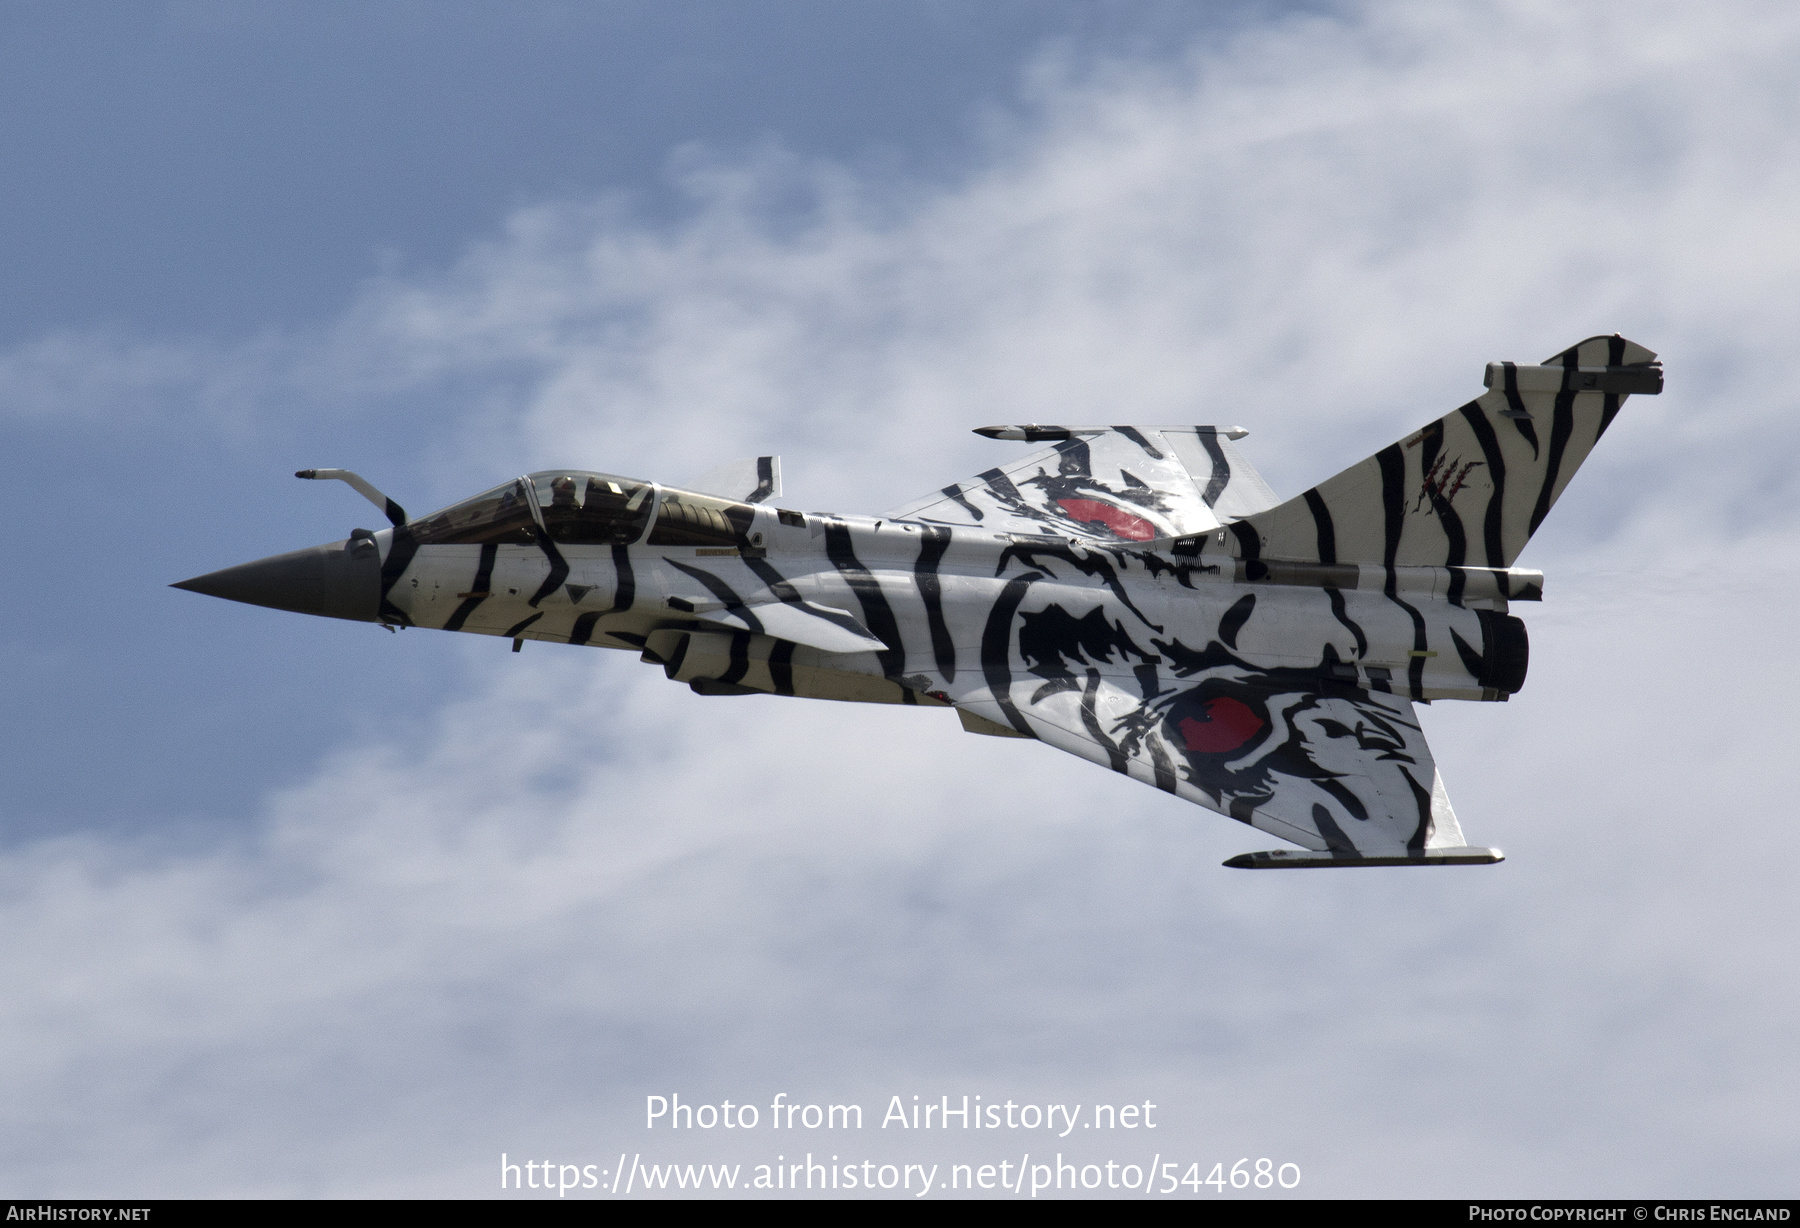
(1134,595)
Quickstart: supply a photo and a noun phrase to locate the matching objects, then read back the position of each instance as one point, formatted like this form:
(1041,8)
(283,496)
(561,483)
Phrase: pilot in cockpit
(563,493)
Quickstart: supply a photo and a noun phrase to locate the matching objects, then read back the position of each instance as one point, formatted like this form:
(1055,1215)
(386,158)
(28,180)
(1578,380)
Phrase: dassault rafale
(1134,595)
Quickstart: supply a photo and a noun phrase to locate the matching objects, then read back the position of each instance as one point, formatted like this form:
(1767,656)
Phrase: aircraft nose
(340,580)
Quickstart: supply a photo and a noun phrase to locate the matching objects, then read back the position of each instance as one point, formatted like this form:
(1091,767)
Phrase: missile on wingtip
(1305,859)
(1033,432)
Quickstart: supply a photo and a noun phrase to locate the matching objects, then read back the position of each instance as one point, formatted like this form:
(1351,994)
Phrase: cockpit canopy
(576,509)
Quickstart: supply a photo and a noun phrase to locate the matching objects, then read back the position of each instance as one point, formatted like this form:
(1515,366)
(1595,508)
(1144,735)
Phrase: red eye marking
(1124,524)
(1228,725)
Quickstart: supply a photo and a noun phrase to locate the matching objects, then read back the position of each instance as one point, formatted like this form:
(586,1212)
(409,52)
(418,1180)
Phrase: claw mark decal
(1442,482)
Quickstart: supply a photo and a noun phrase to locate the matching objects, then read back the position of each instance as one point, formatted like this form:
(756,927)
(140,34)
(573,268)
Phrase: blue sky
(301,907)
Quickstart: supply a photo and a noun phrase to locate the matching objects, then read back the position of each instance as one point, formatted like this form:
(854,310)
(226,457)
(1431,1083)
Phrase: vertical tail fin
(1471,488)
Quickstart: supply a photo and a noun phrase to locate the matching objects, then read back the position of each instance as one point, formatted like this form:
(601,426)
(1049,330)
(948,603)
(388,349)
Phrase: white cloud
(500,929)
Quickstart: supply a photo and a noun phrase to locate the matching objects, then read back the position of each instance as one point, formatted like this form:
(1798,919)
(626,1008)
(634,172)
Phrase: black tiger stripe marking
(1515,407)
(956,493)
(878,615)
(1136,436)
(723,591)
(934,542)
(1608,411)
(1331,833)
(1250,549)
(1235,618)
(1076,459)
(400,556)
(559,569)
(1342,614)
(1456,545)
(1221,468)
(484,577)
(1326,530)
(1422,796)
(1562,426)
(1431,442)
(781,667)
(1494,520)
(1147,681)
(1001,485)
(1392,463)
(1348,800)
(513,631)
(996,648)
(624,595)
(740,658)
(1615,357)
(765,480)
(1322,523)
(583,631)
(776,583)
(626,592)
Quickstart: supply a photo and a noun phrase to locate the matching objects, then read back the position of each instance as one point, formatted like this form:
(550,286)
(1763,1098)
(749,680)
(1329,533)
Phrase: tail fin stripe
(1327,531)
(1415,667)
(1515,404)
(1562,426)
(1490,448)
(1457,547)
(1440,496)
(1392,463)
(1610,412)
(1515,407)
(1393,502)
